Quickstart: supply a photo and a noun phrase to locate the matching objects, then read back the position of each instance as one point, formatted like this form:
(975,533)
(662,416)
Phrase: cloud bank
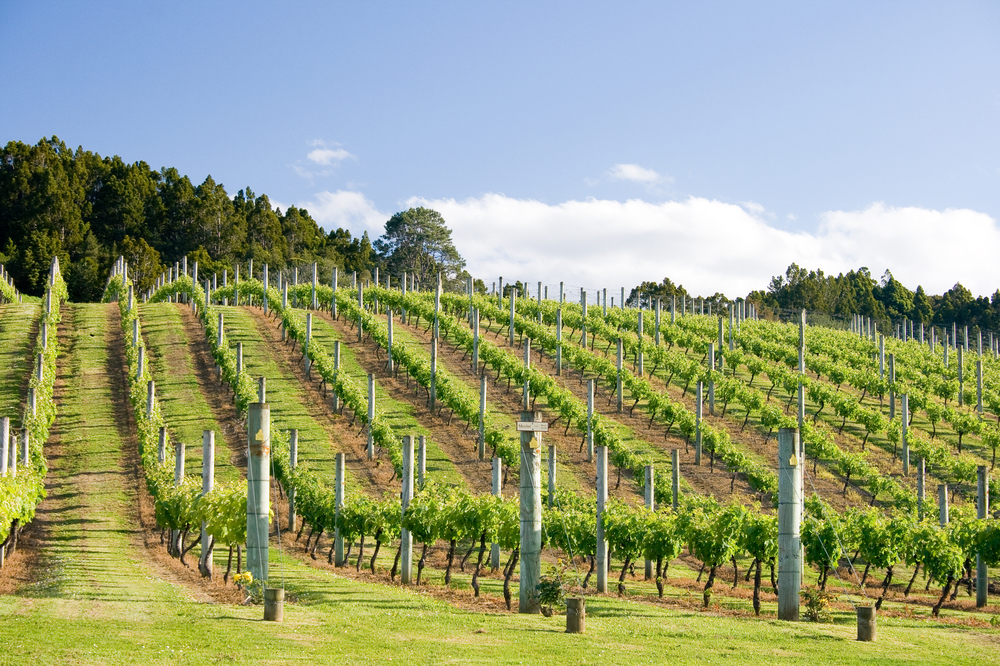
(705,245)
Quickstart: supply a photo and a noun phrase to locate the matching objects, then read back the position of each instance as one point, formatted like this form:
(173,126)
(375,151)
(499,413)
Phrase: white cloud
(344,208)
(634,173)
(326,156)
(710,246)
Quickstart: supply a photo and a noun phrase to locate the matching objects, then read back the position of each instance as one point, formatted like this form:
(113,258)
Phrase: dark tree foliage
(88,210)
(418,242)
(855,292)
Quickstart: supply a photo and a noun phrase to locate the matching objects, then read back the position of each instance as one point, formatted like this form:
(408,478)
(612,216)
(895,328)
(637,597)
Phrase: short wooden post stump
(576,615)
(274,604)
(866,623)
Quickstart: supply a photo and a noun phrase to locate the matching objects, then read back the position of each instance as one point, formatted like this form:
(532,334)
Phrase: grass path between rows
(400,415)
(18,329)
(182,399)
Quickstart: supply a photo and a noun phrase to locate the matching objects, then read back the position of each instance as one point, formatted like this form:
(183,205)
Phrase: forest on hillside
(88,210)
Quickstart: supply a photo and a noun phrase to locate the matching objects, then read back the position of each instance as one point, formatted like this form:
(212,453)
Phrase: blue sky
(596,143)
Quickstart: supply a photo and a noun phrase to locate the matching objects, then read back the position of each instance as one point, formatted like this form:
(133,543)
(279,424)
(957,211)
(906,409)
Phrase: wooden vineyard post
(721,340)
(583,320)
(205,564)
(421,460)
(239,360)
(510,325)
(982,511)
(497,492)
(161,451)
(921,492)
(552,475)
(293,461)
(590,420)
(673,309)
(558,341)
(881,356)
(531,516)
(338,507)
(961,376)
(618,384)
(305,346)
(150,395)
(789,523)
(371,416)
(140,363)
(979,387)
(711,381)
(651,505)
(526,391)
(657,317)
(470,287)
(904,417)
(604,302)
(698,415)
(602,500)
(475,340)
(540,302)
(315,303)
(389,362)
(943,504)
(135,332)
(675,478)
(4,438)
(638,353)
(263,299)
(258,487)
(337,407)
(361,309)
(433,388)
(179,451)
(732,331)
(481,439)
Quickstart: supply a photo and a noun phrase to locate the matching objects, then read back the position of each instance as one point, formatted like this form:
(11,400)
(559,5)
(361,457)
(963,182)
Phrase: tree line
(885,300)
(88,210)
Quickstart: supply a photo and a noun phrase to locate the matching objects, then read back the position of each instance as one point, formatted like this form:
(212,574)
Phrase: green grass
(398,414)
(285,395)
(16,342)
(184,407)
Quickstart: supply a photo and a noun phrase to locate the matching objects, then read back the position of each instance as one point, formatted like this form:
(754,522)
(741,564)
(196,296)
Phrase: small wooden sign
(532,426)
